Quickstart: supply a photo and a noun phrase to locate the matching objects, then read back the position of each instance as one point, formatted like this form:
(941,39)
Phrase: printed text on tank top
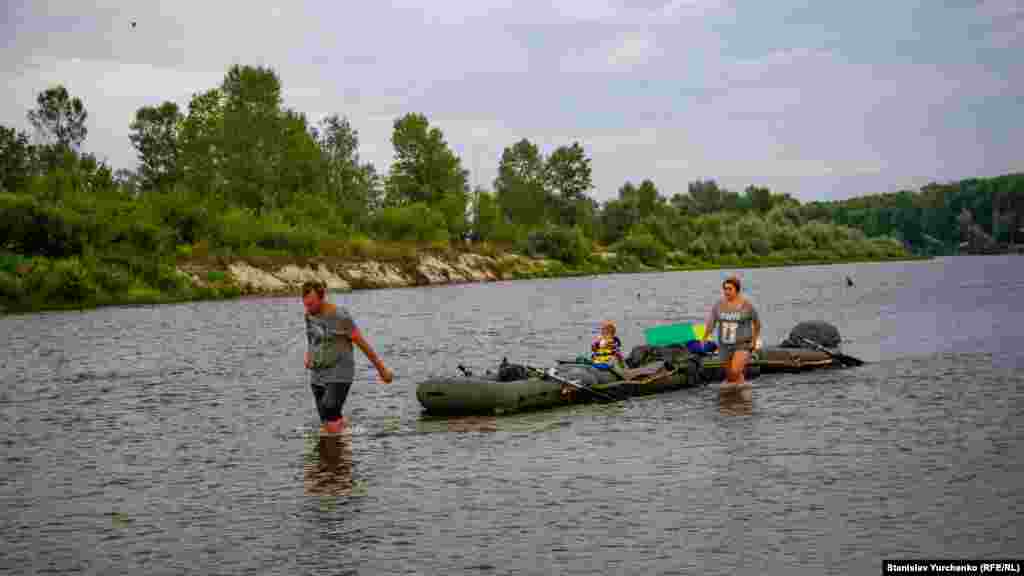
(730,321)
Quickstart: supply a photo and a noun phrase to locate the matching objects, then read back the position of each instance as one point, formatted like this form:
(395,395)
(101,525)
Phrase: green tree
(783,237)
(783,215)
(753,233)
(154,134)
(732,201)
(705,196)
(253,136)
(587,216)
(351,184)
(201,142)
(710,225)
(424,169)
(699,248)
(98,177)
(454,207)
(568,177)
(642,245)
(628,193)
(634,205)
(617,217)
(519,186)
(760,198)
(60,118)
(16,159)
(486,215)
(565,244)
(669,228)
(816,211)
(648,199)
(684,204)
(128,181)
(630,197)
(411,222)
(301,166)
(339,143)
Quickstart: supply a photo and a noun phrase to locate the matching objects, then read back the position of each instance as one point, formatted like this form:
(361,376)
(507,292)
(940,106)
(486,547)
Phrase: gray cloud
(647,87)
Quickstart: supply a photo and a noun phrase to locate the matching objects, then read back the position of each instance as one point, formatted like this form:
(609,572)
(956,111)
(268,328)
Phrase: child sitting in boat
(606,351)
(605,354)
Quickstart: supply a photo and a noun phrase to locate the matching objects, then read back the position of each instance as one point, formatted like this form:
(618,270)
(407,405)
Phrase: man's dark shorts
(329,399)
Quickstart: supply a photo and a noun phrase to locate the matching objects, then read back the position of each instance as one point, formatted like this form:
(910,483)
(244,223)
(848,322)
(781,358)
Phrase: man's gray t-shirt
(734,326)
(330,342)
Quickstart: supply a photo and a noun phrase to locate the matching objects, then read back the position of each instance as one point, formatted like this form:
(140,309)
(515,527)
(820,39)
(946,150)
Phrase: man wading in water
(331,332)
(739,332)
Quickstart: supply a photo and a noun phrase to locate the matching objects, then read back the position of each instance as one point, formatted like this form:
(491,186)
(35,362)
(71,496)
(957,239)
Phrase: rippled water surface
(177,439)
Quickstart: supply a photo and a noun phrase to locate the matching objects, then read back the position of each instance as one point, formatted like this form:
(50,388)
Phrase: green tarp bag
(669,334)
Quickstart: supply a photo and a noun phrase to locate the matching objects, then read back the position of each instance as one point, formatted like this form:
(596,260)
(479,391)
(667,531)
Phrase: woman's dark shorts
(725,351)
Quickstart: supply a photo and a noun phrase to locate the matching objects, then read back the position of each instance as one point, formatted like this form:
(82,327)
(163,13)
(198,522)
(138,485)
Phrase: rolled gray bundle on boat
(815,330)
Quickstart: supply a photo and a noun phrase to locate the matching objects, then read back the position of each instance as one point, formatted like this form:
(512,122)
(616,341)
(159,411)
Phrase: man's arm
(307,357)
(358,340)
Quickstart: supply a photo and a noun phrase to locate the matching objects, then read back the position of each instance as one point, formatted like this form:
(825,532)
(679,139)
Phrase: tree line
(971,215)
(237,173)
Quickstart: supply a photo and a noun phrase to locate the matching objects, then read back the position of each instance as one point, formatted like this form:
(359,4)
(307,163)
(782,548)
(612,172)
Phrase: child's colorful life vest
(604,352)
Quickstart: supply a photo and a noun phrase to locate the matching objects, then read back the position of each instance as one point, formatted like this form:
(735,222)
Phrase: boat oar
(614,369)
(551,374)
(843,359)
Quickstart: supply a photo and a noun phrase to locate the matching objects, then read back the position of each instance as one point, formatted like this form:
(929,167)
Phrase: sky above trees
(823,102)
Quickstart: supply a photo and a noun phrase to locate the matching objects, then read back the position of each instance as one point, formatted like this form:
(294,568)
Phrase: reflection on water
(328,466)
(736,401)
(473,424)
(533,422)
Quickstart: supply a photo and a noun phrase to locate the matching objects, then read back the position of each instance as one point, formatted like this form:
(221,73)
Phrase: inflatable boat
(651,369)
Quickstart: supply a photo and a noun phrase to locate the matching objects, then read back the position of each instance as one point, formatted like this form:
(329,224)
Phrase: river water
(177,439)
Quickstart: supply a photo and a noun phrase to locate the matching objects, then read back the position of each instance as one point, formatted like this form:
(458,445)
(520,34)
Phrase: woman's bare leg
(739,362)
(730,373)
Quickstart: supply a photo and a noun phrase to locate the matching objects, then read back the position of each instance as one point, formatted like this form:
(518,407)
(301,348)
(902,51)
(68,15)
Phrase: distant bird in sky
(133,23)
(848,281)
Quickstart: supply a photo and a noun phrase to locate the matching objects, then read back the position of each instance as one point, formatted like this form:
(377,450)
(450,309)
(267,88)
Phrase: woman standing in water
(739,331)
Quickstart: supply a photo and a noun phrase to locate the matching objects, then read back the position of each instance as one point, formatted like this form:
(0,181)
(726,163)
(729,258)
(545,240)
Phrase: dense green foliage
(565,244)
(236,173)
(980,213)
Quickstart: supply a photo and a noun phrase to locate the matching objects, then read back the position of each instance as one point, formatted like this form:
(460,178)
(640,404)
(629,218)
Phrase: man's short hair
(313,286)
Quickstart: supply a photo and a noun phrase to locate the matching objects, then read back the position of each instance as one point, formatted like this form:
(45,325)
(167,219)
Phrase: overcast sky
(826,101)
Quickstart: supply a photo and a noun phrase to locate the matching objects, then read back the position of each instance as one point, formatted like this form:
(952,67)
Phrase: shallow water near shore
(180,439)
